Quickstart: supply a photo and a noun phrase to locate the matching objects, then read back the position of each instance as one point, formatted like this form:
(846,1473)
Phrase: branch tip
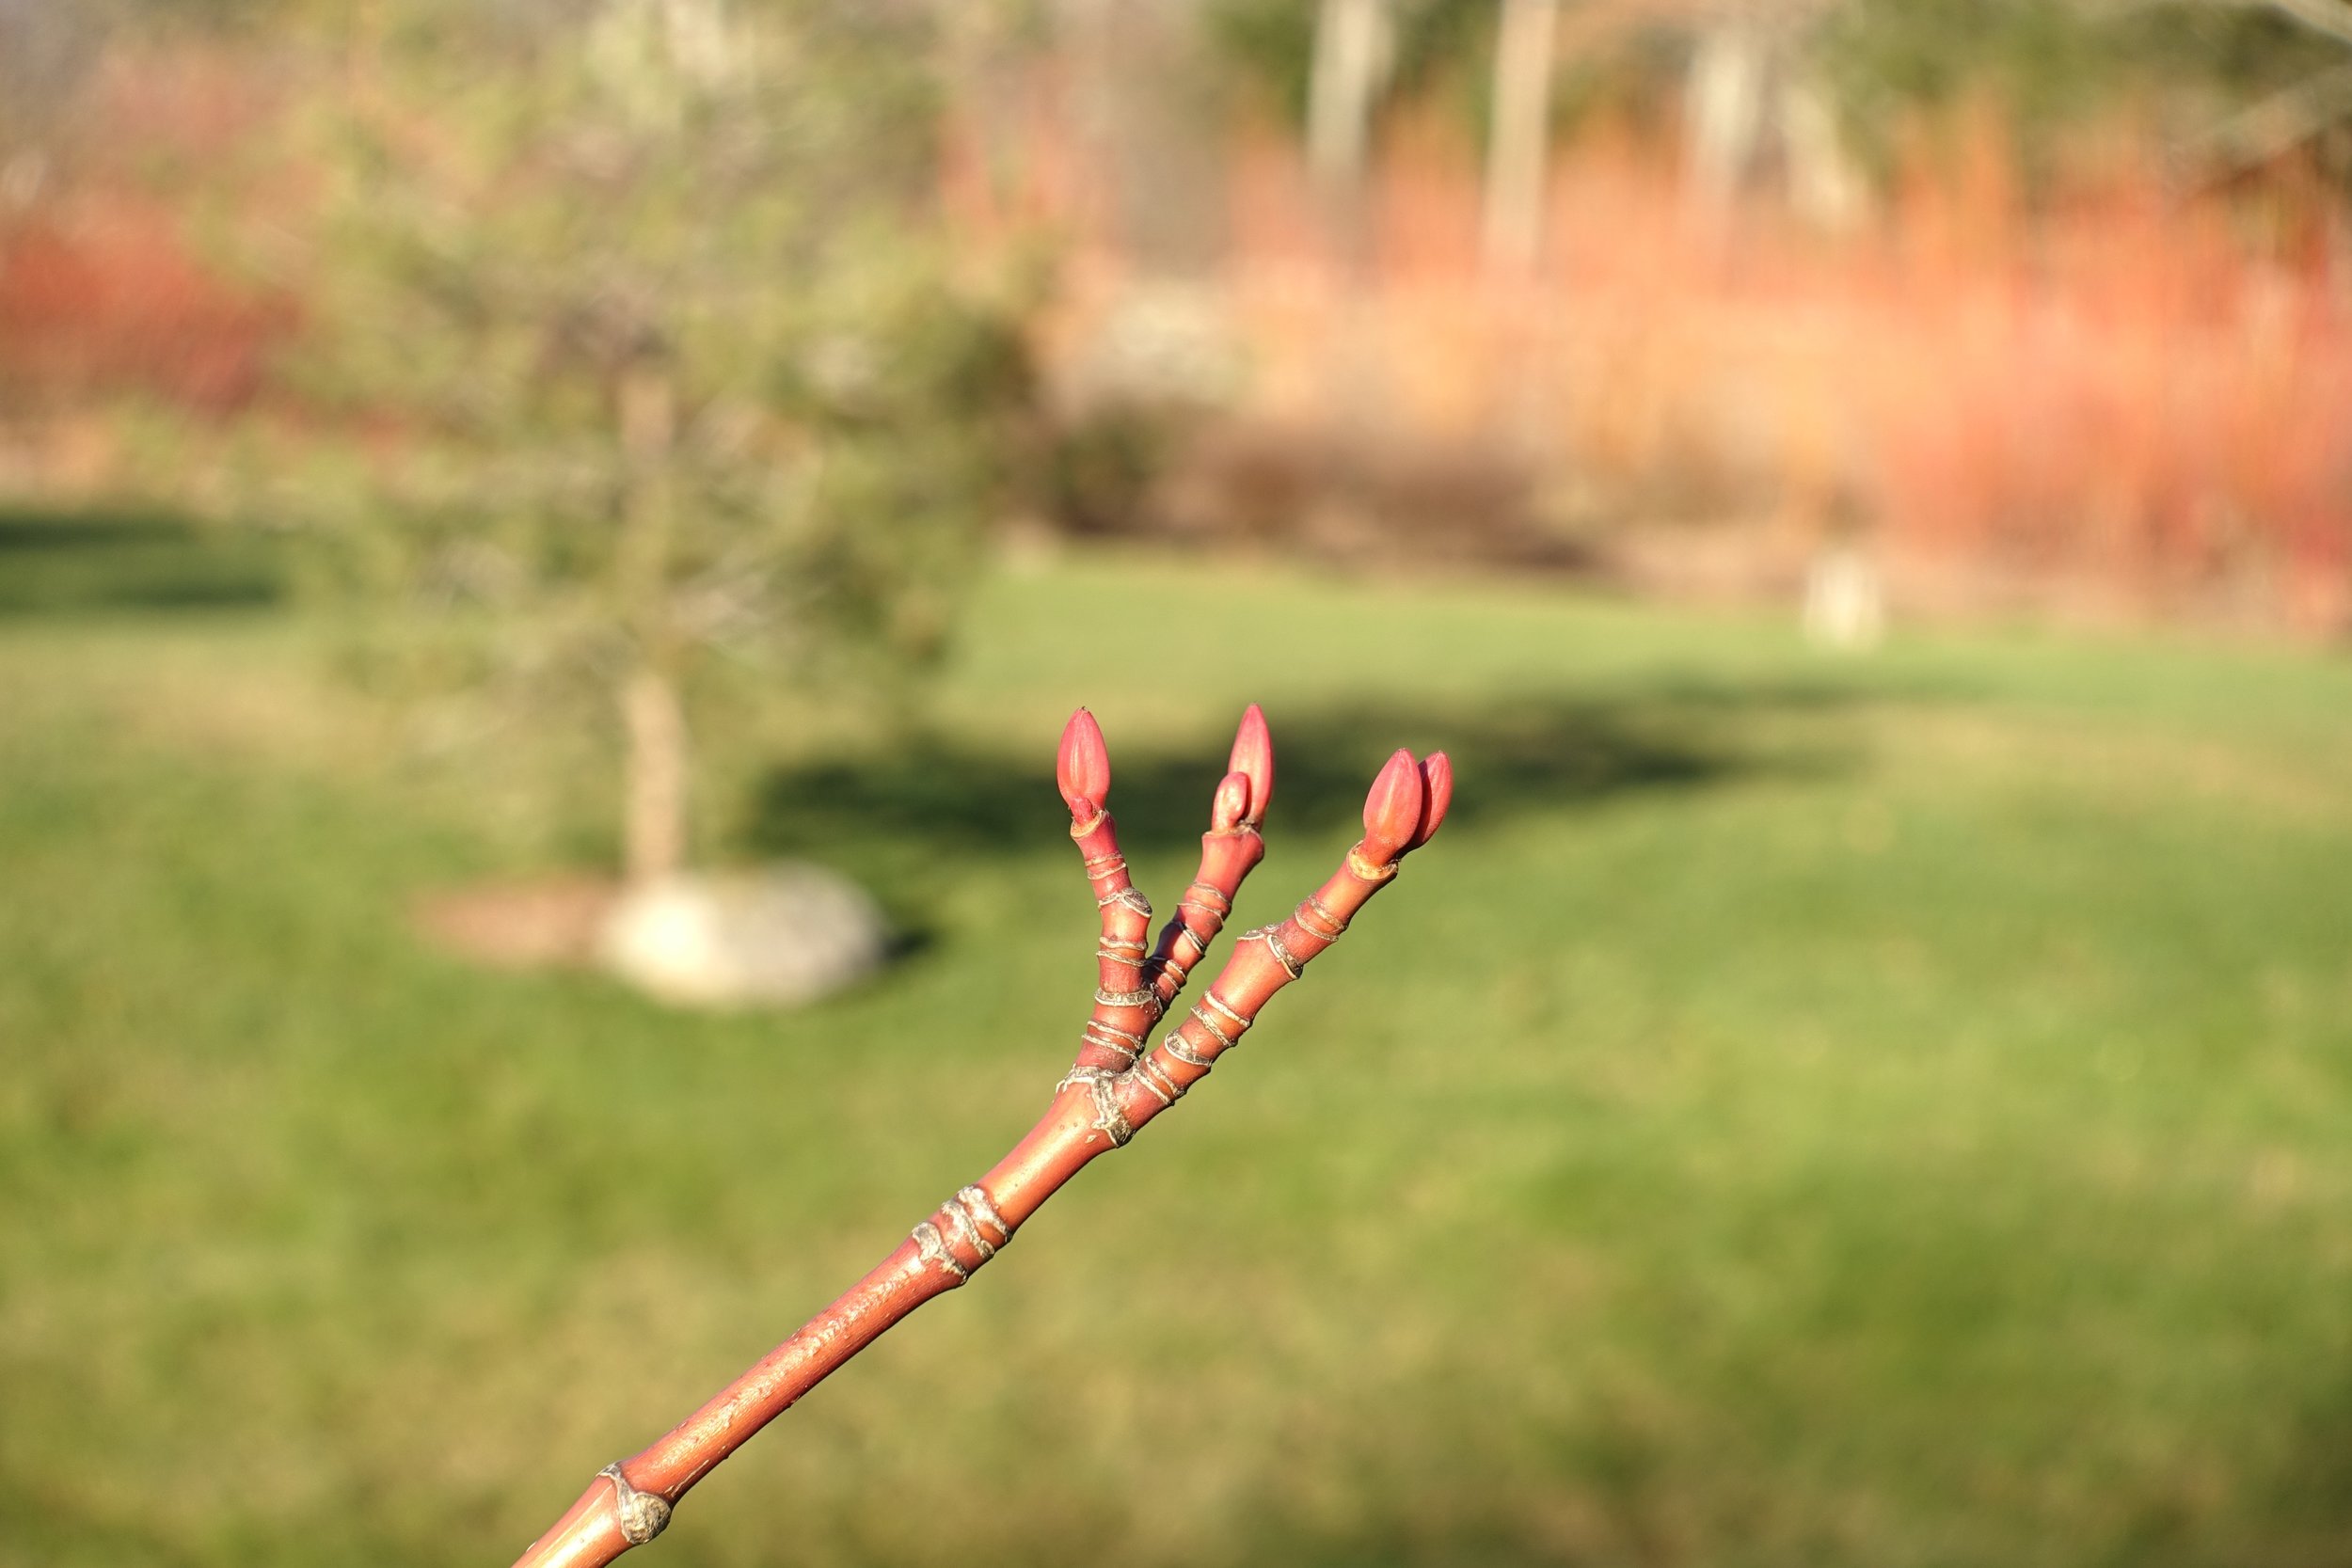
(1436,778)
(1253,758)
(1231,806)
(1082,768)
(1392,810)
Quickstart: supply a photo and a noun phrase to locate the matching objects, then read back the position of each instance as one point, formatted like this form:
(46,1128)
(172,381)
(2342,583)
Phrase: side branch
(1230,850)
(1124,1006)
(1406,804)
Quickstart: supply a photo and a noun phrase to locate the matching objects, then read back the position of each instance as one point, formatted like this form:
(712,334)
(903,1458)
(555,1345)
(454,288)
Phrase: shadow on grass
(938,799)
(2311,1495)
(64,564)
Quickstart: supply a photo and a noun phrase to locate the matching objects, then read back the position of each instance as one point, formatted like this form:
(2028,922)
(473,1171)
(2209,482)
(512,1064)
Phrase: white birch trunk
(1520,136)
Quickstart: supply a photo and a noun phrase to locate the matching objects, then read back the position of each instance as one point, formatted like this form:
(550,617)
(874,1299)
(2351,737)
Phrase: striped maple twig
(1118,1083)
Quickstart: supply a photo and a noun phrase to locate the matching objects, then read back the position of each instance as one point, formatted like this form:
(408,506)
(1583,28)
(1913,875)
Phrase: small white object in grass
(1844,605)
(778,937)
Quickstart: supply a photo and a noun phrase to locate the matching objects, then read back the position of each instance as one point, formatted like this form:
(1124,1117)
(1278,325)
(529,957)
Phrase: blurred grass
(1890,1111)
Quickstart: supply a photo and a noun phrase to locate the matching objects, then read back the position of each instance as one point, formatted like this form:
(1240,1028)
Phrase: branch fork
(1119,1082)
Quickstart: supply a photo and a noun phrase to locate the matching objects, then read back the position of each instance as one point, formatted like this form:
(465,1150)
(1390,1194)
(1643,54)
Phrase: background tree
(640,343)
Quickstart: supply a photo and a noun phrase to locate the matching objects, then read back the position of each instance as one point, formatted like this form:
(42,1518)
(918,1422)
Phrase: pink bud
(1436,777)
(1392,810)
(1253,758)
(1083,767)
(1233,799)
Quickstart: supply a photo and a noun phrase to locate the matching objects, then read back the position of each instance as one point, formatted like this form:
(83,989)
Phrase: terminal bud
(1436,778)
(1253,758)
(1082,768)
(1392,810)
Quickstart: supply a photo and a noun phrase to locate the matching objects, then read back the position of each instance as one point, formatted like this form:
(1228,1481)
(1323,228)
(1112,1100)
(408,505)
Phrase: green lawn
(1802,1111)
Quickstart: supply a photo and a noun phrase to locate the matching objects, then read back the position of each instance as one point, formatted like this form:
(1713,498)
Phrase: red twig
(1118,1083)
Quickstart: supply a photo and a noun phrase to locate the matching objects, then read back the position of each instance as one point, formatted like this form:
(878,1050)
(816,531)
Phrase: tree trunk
(654,788)
(1724,112)
(1519,134)
(1351,45)
(654,805)
(1824,184)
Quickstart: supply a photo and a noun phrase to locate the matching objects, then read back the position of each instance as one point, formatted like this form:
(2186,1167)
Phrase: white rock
(777,936)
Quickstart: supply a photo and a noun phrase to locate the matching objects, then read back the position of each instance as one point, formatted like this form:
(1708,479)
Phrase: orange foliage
(101,290)
(2144,396)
